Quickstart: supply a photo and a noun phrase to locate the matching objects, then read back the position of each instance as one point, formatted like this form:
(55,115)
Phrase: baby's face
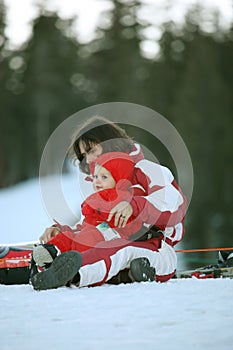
(102,179)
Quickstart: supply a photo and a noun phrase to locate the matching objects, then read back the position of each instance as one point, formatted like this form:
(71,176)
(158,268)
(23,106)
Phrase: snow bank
(180,314)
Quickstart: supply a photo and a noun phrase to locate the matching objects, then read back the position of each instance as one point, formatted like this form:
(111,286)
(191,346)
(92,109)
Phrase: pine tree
(115,65)
(6,100)
(203,115)
(165,72)
(50,95)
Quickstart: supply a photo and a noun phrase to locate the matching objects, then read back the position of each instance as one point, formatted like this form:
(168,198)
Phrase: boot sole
(141,271)
(62,270)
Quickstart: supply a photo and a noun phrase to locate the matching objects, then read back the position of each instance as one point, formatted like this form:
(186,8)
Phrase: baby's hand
(49,233)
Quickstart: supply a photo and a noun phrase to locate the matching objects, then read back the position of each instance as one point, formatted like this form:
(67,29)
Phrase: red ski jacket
(160,202)
(97,207)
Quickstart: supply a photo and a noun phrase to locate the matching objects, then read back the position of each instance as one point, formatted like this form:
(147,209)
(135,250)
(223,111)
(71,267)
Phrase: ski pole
(201,250)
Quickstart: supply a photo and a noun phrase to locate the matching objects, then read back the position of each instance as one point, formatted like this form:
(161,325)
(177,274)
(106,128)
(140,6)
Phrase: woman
(162,205)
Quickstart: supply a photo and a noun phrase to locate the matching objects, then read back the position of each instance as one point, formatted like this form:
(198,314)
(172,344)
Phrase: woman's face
(91,154)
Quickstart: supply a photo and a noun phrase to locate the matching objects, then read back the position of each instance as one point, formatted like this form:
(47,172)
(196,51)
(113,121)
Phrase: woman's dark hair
(98,130)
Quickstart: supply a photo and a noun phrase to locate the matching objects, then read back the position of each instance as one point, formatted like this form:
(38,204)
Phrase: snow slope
(180,314)
(190,314)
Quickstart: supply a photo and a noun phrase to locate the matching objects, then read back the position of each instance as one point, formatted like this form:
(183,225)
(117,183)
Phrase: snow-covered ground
(180,314)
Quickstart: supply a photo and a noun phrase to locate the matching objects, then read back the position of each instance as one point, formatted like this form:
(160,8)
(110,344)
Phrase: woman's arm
(163,203)
(103,205)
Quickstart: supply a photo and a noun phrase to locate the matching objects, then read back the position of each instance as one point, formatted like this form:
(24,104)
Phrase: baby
(112,176)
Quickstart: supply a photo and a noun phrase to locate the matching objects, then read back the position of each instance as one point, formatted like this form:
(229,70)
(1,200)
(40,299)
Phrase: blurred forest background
(189,81)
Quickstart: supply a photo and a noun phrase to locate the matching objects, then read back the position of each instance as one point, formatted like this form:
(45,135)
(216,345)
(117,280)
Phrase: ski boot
(139,271)
(225,258)
(61,271)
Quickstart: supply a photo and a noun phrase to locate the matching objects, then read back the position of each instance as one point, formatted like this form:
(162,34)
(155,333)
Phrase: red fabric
(144,208)
(140,202)
(136,153)
(119,164)
(165,278)
(104,251)
(97,207)
(141,206)
(16,257)
(81,241)
(96,210)
(151,215)
(148,212)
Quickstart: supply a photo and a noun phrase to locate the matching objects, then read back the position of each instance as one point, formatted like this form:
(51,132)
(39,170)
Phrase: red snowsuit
(163,205)
(97,206)
(96,210)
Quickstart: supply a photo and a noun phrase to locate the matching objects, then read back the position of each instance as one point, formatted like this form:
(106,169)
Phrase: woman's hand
(49,233)
(122,212)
